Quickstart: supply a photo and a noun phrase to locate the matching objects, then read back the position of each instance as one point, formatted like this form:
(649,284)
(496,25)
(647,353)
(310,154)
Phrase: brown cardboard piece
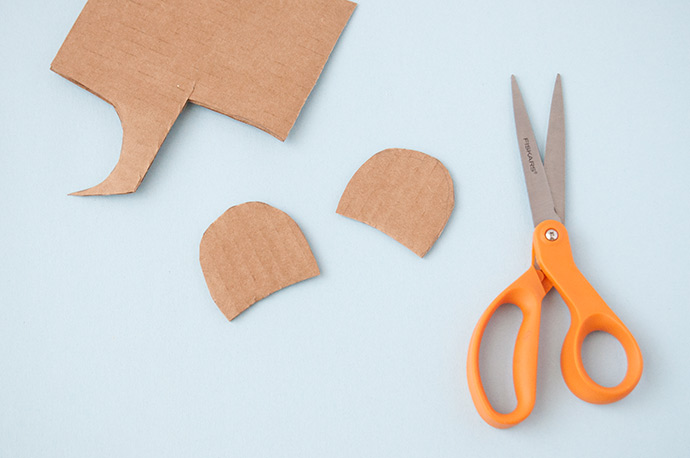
(251,251)
(403,193)
(253,60)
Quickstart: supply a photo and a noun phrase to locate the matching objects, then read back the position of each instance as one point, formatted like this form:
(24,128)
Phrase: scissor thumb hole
(604,358)
(574,371)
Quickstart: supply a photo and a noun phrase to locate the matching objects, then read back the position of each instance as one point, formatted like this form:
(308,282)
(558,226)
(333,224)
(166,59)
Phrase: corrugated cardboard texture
(251,251)
(253,60)
(403,193)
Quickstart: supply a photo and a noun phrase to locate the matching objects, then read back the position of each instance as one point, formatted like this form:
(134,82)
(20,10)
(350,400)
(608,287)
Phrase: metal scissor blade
(554,154)
(538,189)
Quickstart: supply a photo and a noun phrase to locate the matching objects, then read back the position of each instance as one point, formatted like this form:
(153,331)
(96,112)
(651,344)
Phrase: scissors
(552,266)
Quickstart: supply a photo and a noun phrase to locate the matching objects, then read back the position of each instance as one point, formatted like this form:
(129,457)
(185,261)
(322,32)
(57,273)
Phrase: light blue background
(111,346)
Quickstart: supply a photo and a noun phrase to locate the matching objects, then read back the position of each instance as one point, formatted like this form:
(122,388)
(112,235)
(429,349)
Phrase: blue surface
(111,346)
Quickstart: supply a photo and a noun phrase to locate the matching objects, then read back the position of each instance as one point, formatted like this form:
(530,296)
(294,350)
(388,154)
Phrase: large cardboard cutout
(253,60)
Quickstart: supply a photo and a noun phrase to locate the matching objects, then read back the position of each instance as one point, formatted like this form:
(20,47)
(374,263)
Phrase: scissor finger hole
(496,357)
(604,358)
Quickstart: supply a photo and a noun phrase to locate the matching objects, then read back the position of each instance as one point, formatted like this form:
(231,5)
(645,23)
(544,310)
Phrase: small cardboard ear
(403,193)
(253,250)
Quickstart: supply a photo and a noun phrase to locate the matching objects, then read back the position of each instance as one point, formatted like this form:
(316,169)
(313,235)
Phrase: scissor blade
(540,199)
(554,154)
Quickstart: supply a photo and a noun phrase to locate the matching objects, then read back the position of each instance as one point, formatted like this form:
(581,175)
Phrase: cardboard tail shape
(255,61)
(145,124)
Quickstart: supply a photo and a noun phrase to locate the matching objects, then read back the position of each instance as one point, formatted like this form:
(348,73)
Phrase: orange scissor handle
(527,293)
(588,313)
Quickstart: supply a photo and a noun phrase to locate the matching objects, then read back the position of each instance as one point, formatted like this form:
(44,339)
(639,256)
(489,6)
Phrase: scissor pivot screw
(551,235)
